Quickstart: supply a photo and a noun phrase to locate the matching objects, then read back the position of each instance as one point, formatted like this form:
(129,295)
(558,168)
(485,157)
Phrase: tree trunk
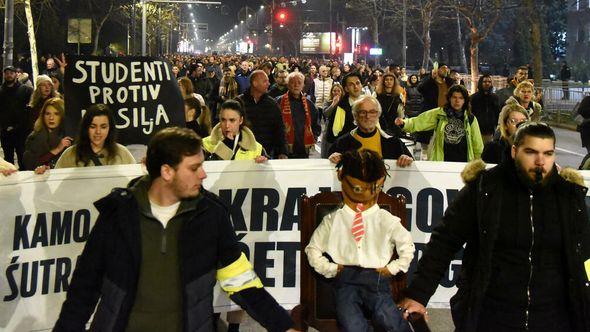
(537,53)
(426,40)
(460,46)
(32,41)
(474,58)
(97,28)
(535,42)
(404,36)
(375,32)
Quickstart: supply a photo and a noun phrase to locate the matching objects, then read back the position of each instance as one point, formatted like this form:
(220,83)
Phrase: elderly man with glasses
(367,135)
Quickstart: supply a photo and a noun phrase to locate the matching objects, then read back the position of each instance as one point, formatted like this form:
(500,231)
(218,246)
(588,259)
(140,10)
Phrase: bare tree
(100,11)
(461,43)
(480,16)
(373,13)
(161,20)
(426,14)
(532,6)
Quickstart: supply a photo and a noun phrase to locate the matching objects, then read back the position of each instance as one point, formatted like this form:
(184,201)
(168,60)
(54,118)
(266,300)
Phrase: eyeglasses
(516,121)
(357,189)
(368,113)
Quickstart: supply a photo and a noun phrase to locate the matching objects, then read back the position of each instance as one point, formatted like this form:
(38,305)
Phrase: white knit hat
(43,78)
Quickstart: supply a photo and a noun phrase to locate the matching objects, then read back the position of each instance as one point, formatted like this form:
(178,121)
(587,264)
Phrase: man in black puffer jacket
(526,264)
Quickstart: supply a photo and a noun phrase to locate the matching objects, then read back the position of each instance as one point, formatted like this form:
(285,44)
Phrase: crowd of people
(292,107)
(261,108)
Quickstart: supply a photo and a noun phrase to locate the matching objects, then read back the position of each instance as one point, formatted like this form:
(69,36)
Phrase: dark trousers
(13,140)
(358,290)
(566,90)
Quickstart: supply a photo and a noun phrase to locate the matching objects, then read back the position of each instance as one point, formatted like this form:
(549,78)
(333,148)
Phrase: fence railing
(559,103)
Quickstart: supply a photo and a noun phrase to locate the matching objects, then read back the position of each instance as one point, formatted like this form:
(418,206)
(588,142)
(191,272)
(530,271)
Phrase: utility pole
(8,56)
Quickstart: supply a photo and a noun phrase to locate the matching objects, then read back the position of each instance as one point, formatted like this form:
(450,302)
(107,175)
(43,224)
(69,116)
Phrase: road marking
(570,152)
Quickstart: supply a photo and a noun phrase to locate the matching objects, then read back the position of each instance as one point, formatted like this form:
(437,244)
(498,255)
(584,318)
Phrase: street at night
(295,165)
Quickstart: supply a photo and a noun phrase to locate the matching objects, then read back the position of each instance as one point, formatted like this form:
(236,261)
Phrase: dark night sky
(219,23)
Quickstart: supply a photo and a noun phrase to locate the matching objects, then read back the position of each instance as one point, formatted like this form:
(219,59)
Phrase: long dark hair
(83,147)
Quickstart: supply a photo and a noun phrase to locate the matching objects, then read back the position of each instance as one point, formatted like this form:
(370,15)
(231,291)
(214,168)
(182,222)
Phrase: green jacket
(437,119)
(248,148)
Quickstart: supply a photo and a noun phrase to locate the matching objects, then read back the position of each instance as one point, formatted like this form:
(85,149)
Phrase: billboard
(318,42)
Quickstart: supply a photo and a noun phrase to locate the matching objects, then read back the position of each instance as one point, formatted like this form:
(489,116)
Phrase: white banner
(45,219)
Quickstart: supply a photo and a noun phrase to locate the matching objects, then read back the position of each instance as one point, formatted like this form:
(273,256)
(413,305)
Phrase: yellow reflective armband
(237,276)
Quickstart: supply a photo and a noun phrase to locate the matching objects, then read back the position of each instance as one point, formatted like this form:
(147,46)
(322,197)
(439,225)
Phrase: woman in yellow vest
(230,139)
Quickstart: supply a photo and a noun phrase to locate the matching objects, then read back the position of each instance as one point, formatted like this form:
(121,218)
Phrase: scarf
(308,139)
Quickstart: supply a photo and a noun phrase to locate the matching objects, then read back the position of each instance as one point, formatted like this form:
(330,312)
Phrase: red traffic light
(282,16)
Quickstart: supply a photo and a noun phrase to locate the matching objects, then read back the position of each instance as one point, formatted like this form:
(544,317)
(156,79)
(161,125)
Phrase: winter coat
(414,101)
(266,122)
(248,148)
(109,266)
(534,111)
(38,146)
(13,112)
(486,108)
(341,120)
(584,127)
(437,119)
(473,220)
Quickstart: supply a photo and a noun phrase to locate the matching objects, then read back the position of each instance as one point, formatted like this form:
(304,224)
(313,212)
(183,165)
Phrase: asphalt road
(569,148)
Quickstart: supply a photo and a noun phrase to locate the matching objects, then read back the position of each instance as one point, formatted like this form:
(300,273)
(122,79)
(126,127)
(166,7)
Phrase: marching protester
(164,285)
(434,88)
(231,139)
(96,143)
(299,116)
(526,239)
(521,75)
(242,77)
(280,86)
(44,90)
(341,121)
(186,89)
(336,93)
(197,117)
(390,95)
(323,85)
(14,121)
(457,136)
(366,111)
(498,150)
(413,97)
(46,143)
(523,96)
(264,116)
(228,87)
(485,105)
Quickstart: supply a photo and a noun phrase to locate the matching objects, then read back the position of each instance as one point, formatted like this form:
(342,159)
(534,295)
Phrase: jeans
(357,289)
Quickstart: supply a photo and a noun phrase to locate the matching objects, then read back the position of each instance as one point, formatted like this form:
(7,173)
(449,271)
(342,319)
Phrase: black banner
(141,91)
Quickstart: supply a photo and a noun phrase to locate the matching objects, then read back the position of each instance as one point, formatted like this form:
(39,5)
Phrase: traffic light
(282,17)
